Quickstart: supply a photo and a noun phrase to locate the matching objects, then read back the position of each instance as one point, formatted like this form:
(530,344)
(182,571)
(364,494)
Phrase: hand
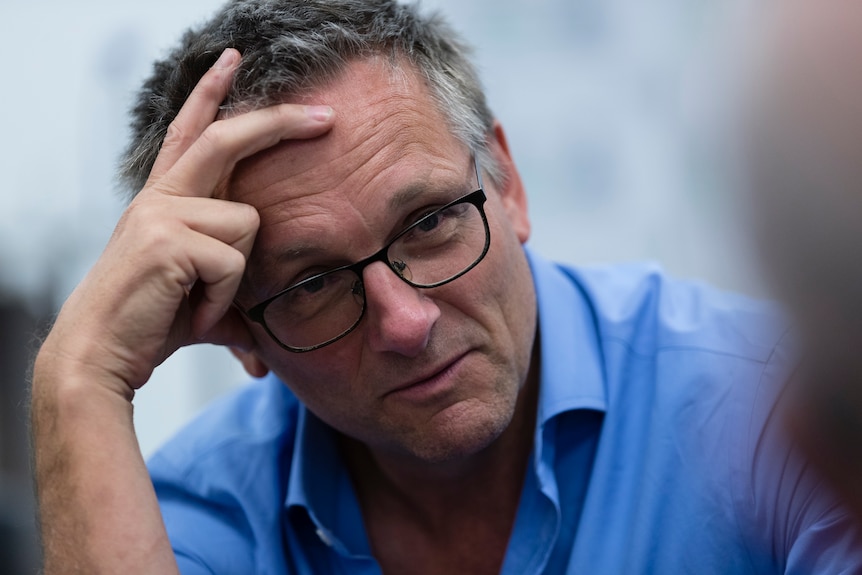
(166,278)
(171,269)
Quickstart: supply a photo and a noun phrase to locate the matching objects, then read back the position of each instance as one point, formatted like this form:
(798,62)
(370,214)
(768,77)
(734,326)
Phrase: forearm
(97,507)
(166,279)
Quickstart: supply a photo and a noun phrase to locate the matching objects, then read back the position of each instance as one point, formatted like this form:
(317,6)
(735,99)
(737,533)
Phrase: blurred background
(618,114)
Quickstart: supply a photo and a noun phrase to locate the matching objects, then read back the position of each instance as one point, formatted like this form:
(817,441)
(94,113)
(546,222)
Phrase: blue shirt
(656,450)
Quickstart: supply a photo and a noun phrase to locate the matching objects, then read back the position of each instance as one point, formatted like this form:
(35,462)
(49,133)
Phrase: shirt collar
(572,376)
(320,484)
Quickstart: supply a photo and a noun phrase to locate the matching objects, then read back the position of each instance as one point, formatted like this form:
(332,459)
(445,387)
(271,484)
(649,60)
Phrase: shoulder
(642,307)
(257,419)
(221,481)
(654,340)
(683,365)
(693,378)
(684,355)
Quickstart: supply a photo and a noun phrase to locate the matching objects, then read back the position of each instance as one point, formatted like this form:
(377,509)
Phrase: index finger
(199,111)
(213,156)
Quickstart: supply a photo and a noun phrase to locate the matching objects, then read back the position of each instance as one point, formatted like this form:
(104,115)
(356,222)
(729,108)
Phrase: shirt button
(324,537)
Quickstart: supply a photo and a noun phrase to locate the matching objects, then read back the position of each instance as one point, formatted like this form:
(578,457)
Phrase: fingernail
(227,58)
(319,113)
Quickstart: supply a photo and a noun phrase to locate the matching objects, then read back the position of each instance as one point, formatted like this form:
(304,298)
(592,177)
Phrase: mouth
(434,382)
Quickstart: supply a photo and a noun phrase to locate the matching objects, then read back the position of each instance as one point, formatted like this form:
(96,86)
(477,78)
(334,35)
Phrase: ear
(511,189)
(251,362)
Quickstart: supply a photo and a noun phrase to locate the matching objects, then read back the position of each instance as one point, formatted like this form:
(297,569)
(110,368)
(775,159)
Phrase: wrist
(62,376)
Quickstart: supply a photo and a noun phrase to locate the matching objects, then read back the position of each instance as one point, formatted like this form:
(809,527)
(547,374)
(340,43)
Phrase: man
(324,190)
(806,135)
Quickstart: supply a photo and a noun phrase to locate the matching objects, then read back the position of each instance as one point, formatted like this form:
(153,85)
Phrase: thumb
(231,331)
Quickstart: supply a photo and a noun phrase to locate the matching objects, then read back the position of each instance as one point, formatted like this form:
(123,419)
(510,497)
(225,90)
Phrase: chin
(459,433)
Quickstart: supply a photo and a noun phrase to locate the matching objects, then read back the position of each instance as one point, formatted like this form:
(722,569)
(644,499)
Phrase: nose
(399,316)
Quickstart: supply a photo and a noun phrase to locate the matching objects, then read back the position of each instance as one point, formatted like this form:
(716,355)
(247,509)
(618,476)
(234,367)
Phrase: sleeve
(208,535)
(789,515)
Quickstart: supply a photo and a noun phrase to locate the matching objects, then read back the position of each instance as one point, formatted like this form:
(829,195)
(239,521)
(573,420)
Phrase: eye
(429,222)
(314,285)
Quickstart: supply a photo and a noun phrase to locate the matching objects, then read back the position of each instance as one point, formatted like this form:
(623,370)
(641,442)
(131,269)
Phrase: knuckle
(151,225)
(215,134)
(282,112)
(235,263)
(288,114)
(213,84)
(176,136)
(137,210)
(146,210)
(212,139)
(160,238)
(230,268)
(250,215)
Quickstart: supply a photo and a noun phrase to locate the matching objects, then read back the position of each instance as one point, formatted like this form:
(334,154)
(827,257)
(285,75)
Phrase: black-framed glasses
(440,247)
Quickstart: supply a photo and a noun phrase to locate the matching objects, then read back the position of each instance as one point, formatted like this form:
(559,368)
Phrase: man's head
(289,48)
(429,374)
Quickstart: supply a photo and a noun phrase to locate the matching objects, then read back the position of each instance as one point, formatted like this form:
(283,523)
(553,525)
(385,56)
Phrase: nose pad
(399,316)
(402,269)
(358,289)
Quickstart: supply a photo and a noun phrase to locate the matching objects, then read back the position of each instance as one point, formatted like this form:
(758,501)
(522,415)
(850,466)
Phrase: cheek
(511,283)
(320,377)
(302,370)
(497,297)
(511,276)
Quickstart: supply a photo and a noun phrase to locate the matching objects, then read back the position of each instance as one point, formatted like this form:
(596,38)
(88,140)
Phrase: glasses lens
(441,246)
(438,248)
(316,310)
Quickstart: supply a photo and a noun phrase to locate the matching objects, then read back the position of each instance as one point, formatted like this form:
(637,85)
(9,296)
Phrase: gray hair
(289,47)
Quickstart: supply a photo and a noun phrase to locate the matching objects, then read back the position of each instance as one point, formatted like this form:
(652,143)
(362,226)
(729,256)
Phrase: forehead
(384,117)
(333,196)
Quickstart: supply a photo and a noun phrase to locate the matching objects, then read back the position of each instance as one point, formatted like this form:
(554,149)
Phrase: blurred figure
(807,173)
(18,553)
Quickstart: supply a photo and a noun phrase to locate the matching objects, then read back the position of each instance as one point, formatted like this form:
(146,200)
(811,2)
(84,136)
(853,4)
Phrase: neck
(488,483)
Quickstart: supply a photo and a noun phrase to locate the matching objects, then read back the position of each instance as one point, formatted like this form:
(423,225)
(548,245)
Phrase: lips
(437,375)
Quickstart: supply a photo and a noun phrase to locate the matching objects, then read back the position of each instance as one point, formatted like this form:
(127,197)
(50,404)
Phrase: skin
(97,508)
(434,392)
(470,341)
(388,141)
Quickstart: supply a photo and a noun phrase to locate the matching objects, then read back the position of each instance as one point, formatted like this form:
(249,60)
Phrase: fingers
(198,154)
(199,151)
(231,331)
(220,271)
(175,236)
(216,236)
(216,152)
(198,112)
(232,223)
(190,241)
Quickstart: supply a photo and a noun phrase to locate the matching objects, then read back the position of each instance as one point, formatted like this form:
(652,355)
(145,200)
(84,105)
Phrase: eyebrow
(402,198)
(256,275)
(296,253)
(408,194)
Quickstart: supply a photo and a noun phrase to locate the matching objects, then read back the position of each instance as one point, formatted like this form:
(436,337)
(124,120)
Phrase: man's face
(432,374)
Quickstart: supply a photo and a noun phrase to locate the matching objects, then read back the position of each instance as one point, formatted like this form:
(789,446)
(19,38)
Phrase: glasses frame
(477,198)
